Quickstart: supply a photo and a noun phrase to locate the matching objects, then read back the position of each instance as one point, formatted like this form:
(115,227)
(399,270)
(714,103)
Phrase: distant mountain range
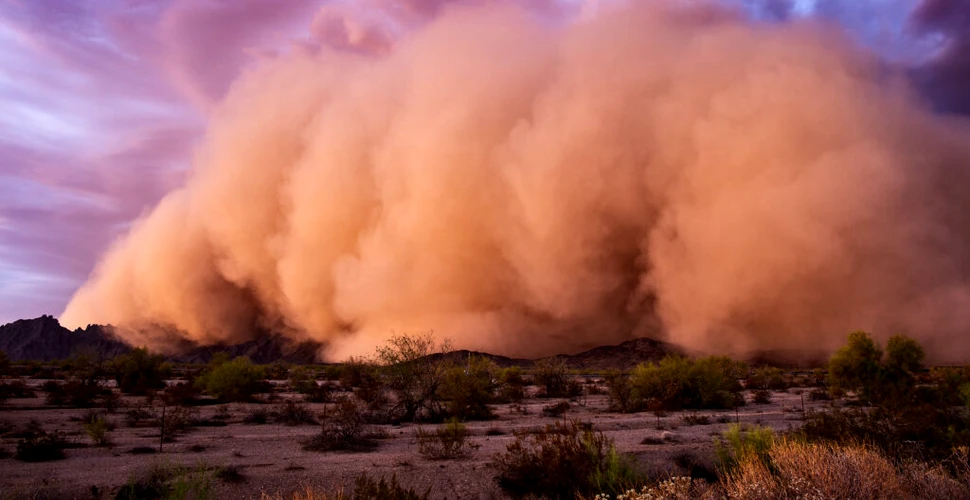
(44,339)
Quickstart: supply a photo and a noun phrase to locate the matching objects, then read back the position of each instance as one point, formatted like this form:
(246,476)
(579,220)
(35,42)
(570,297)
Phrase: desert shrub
(75,393)
(41,446)
(557,409)
(448,441)
(949,381)
(278,370)
(97,429)
(552,377)
(791,469)
(4,363)
(468,389)
(819,395)
(15,389)
(739,443)
(413,376)
(293,413)
(561,461)
(676,383)
(167,481)
(257,416)
(761,397)
(366,488)
(303,381)
(137,416)
(767,378)
(672,488)
(180,394)
(174,421)
(511,385)
(139,371)
(344,430)
(623,397)
(236,380)
(231,474)
(695,419)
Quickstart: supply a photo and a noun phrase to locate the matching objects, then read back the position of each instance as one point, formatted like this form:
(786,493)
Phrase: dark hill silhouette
(44,339)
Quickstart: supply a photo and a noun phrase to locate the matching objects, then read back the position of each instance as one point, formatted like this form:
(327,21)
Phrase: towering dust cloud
(527,186)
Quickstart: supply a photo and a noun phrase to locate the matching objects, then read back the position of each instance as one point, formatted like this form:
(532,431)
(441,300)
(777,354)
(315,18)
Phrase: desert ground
(268,459)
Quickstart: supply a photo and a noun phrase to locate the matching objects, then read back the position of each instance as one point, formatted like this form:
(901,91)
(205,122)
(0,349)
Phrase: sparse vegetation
(561,461)
(41,446)
(345,430)
(448,441)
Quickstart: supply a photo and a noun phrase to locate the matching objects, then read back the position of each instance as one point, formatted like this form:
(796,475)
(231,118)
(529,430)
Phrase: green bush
(97,429)
(76,393)
(677,383)
(767,378)
(860,366)
(468,389)
(623,396)
(552,377)
(236,380)
(511,385)
(140,371)
(739,443)
(562,461)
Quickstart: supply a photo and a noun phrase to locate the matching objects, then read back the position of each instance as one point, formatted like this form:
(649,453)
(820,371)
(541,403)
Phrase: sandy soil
(272,461)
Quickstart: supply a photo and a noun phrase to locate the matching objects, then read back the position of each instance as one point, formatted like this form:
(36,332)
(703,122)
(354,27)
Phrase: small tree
(860,366)
(4,363)
(412,375)
(139,372)
(468,389)
(552,376)
(236,380)
(856,366)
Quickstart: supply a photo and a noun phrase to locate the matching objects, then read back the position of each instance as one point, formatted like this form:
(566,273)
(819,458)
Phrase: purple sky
(103,100)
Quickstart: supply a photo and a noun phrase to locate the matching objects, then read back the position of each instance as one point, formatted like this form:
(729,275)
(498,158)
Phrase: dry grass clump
(799,470)
(365,488)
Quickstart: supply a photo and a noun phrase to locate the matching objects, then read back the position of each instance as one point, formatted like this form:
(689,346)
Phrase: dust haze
(527,183)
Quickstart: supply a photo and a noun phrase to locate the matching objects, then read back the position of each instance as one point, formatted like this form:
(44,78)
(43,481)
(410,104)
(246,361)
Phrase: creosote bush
(236,380)
(139,371)
(677,383)
(467,389)
(38,445)
(561,461)
(344,430)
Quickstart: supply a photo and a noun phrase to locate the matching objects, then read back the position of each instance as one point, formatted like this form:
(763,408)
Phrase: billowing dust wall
(526,185)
